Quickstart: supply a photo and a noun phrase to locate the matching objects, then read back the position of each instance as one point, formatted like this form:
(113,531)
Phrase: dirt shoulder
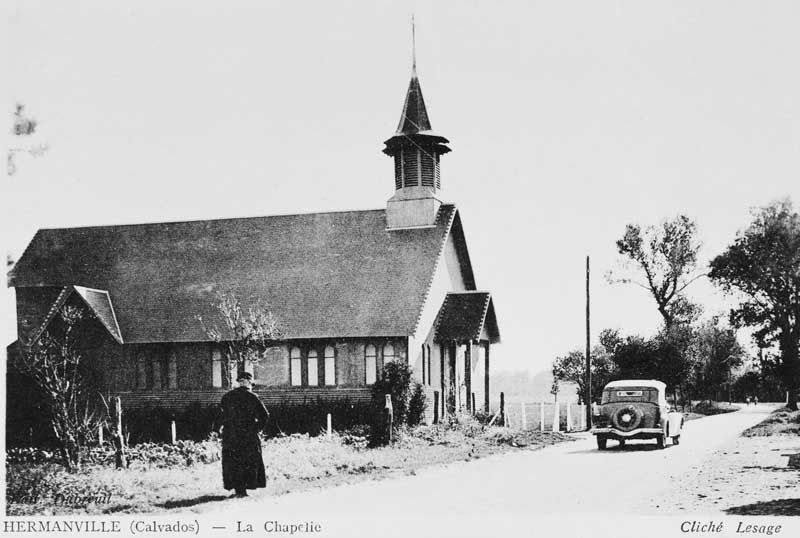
(755,474)
(293,463)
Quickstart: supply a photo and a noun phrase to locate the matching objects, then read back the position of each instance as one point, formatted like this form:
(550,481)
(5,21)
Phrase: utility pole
(588,399)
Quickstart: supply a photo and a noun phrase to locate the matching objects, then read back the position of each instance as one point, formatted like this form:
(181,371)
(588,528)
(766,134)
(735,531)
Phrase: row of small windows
(312,365)
(310,370)
(371,361)
(150,373)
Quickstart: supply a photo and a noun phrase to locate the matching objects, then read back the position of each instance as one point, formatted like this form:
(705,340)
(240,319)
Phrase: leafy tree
(762,267)
(572,368)
(634,358)
(246,335)
(54,363)
(666,256)
(715,354)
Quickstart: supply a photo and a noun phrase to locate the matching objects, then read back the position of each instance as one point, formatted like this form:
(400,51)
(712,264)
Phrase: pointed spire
(415,116)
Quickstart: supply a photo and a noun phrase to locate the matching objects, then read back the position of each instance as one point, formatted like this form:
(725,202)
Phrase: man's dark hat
(244,376)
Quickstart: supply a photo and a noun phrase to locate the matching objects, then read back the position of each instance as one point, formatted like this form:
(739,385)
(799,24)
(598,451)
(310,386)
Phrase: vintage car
(635,409)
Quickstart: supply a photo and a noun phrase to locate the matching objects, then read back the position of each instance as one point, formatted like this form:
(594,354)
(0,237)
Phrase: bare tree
(53,362)
(666,256)
(246,333)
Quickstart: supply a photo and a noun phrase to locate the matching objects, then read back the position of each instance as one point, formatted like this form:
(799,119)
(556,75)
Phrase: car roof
(649,383)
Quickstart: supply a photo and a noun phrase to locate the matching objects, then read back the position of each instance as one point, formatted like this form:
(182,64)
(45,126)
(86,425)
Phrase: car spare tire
(627,418)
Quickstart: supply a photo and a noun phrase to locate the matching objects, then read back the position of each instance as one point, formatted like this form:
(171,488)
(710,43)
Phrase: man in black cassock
(242,415)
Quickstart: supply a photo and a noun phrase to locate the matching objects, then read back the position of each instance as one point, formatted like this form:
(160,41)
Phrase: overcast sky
(567,120)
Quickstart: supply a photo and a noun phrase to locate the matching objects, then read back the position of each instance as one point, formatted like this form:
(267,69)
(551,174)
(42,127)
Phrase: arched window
(424,365)
(313,368)
(330,366)
(388,353)
(216,368)
(429,363)
(141,371)
(156,366)
(370,364)
(172,371)
(295,367)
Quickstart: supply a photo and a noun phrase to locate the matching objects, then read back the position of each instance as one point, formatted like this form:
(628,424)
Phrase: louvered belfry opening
(416,149)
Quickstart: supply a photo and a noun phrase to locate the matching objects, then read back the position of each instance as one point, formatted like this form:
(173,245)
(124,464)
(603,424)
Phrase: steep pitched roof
(322,274)
(98,302)
(463,316)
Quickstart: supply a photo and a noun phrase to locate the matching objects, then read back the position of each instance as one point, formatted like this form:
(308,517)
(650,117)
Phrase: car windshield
(630,394)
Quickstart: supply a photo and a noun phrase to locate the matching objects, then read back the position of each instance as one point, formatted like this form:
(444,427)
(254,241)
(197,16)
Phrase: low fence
(542,416)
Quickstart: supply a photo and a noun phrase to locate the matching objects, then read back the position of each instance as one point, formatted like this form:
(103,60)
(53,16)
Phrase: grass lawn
(292,463)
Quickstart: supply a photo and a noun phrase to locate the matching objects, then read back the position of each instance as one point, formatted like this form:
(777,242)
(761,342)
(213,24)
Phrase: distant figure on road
(241,416)
(755,400)
(747,400)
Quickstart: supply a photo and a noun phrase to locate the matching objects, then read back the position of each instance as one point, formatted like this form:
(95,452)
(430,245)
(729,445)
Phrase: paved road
(568,478)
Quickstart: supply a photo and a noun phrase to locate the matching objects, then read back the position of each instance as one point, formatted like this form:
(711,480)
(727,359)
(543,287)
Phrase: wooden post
(388,417)
(173,437)
(468,374)
(524,418)
(486,379)
(442,378)
(119,440)
(436,407)
(503,408)
(330,426)
(556,418)
(588,395)
(100,435)
(569,418)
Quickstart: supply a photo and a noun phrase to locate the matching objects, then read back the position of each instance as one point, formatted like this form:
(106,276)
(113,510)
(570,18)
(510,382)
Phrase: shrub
(395,380)
(181,454)
(708,407)
(147,425)
(416,405)
(310,417)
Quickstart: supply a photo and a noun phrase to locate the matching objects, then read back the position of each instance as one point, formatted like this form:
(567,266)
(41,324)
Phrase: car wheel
(621,443)
(601,443)
(660,442)
(676,440)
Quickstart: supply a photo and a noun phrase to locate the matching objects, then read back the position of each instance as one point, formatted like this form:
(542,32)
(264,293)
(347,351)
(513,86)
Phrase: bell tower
(416,150)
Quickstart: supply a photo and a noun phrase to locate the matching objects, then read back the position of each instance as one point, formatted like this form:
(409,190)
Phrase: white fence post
(569,417)
(172,427)
(524,419)
(556,418)
(541,416)
(330,428)
(100,435)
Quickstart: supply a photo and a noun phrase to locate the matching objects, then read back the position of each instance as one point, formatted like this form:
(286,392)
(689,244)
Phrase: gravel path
(567,478)
(747,476)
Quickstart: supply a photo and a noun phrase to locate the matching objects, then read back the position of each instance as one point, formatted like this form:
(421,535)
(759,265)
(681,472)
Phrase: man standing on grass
(242,415)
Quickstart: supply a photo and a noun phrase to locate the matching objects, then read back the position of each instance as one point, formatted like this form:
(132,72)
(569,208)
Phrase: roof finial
(413,46)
